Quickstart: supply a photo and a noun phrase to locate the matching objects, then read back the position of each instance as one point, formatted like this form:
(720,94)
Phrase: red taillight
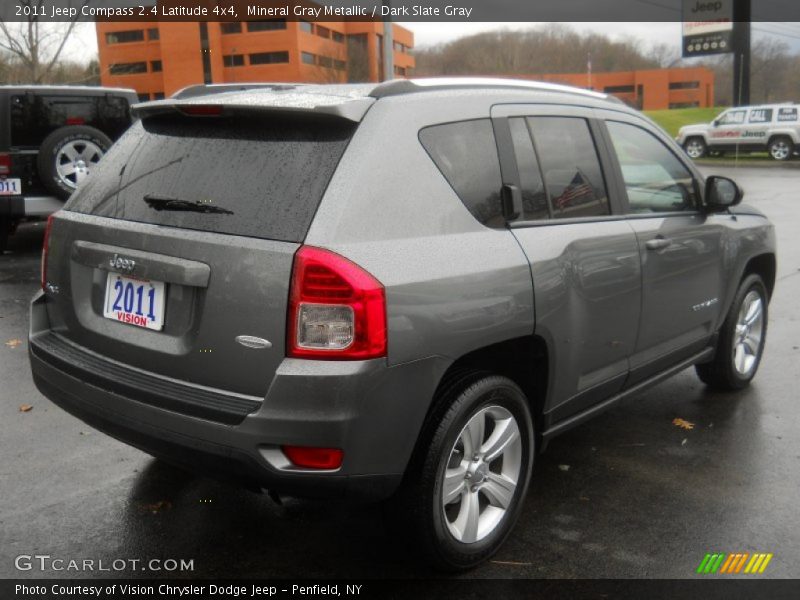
(46,248)
(314,458)
(75,121)
(202,110)
(337,311)
(5,164)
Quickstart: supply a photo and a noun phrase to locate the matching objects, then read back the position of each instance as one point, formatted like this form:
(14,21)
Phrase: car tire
(695,147)
(69,154)
(741,340)
(780,148)
(485,496)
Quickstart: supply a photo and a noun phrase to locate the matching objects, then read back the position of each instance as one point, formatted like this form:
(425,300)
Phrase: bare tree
(36,46)
(769,69)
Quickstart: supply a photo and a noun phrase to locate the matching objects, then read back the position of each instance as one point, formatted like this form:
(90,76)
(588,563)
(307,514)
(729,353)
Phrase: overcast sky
(83,45)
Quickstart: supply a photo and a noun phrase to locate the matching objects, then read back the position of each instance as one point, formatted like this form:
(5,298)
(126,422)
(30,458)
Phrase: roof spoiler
(217,106)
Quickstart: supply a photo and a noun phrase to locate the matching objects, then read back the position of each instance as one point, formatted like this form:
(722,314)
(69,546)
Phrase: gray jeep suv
(392,292)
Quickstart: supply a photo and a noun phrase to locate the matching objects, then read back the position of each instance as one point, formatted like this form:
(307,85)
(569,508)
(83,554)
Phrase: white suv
(771,127)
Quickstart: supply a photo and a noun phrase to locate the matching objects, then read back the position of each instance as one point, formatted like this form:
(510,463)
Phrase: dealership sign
(707,27)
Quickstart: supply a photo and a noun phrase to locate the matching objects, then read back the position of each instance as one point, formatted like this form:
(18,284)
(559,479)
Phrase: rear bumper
(371,411)
(19,207)
(12,207)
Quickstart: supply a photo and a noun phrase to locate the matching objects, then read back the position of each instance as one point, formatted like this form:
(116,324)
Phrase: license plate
(133,301)
(10,187)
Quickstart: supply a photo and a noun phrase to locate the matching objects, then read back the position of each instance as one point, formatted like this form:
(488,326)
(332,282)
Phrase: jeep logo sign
(707,27)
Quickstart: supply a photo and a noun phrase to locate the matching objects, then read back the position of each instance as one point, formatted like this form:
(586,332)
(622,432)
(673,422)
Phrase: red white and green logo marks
(737,563)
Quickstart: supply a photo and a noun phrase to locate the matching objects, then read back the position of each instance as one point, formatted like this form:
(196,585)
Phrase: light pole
(388,44)
(741,52)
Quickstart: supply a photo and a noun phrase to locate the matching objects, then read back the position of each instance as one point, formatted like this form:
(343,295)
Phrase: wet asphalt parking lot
(628,494)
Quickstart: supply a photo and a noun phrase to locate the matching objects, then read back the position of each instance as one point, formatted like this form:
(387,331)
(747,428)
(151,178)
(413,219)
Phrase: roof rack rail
(398,87)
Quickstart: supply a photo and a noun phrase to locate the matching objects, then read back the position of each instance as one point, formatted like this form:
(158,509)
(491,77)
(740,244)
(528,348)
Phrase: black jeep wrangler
(51,137)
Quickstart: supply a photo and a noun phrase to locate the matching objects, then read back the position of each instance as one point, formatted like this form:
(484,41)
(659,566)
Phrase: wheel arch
(524,360)
(765,266)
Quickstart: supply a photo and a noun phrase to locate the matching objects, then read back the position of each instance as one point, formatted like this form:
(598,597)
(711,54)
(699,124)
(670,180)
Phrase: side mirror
(722,193)
(715,123)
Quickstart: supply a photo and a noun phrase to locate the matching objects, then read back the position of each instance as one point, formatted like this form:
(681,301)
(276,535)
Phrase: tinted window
(733,117)
(307,58)
(761,115)
(269,25)
(787,114)
(534,198)
(128,68)
(122,37)
(656,181)
(153,34)
(570,166)
(466,154)
(233,60)
(306,26)
(267,175)
(33,117)
(230,28)
(269,58)
(156,66)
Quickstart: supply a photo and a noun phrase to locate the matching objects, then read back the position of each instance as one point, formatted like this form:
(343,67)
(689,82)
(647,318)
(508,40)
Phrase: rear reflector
(314,458)
(201,110)
(5,164)
(337,311)
(46,248)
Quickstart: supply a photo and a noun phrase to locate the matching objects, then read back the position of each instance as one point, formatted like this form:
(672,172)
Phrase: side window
(466,154)
(534,197)
(732,117)
(570,166)
(760,115)
(787,114)
(656,181)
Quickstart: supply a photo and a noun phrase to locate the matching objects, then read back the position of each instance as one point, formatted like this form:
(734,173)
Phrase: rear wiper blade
(201,206)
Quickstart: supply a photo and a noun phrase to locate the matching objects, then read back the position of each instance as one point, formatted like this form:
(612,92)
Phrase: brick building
(159,58)
(652,89)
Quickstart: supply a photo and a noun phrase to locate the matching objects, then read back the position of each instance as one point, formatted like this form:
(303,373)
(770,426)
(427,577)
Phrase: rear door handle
(658,243)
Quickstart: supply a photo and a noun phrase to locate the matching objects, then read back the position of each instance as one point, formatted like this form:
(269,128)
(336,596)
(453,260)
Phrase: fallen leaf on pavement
(682,424)
(13,343)
(25,408)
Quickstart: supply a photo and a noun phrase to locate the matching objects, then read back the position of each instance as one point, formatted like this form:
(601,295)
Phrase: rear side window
(761,115)
(261,178)
(570,166)
(787,114)
(466,154)
(35,116)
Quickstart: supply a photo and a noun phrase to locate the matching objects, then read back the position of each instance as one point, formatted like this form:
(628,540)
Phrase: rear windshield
(257,177)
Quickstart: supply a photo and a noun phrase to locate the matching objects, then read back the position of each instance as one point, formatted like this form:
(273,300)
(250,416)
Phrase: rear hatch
(207,212)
